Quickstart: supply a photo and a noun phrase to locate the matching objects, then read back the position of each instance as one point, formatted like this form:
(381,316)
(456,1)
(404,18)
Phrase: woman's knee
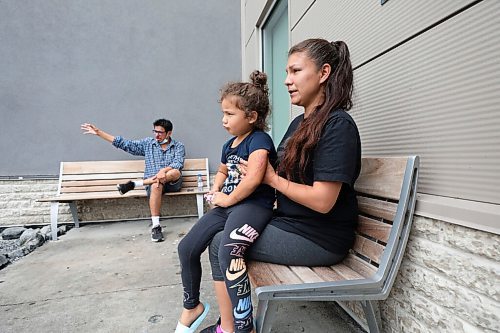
(213,254)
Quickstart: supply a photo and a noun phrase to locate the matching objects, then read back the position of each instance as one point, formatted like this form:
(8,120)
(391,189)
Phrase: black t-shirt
(264,194)
(337,157)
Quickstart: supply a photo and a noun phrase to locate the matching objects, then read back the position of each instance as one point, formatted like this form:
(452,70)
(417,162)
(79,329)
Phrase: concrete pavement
(110,277)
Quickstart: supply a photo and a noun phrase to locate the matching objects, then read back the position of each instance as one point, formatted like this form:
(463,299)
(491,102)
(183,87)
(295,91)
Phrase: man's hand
(161,176)
(89,129)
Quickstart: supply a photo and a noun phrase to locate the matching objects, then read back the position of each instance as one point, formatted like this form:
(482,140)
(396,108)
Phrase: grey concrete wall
(118,63)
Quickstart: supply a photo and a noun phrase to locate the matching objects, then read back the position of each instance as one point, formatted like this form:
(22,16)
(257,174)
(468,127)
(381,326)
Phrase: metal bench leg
(266,311)
(54,210)
(199,203)
(74,213)
(372,314)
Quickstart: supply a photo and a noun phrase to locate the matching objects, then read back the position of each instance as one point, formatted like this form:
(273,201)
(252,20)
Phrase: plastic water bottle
(200,183)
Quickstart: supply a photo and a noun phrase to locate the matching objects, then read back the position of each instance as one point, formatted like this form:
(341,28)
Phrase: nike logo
(245,233)
(243,309)
(238,267)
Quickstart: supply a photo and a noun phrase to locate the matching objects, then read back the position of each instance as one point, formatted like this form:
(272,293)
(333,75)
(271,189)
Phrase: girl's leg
(244,224)
(190,249)
(225,306)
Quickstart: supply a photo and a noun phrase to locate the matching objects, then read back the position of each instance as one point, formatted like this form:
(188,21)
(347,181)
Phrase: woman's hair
(250,96)
(337,94)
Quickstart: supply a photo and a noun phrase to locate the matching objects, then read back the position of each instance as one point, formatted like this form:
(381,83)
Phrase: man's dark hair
(166,124)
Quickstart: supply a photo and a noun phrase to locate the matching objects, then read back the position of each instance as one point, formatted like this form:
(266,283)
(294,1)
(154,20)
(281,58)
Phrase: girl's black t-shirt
(263,195)
(337,157)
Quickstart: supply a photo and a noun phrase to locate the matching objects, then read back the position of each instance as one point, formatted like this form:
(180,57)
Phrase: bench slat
(368,248)
(382,177)
(360,266)
(259,274)
(99,182)
(95,176)
(306,274)
(327,273)
(374,228)
(80,189)
(112,195)
(284,274)
(347,272)
(71,168)
(377,208)
(195,164)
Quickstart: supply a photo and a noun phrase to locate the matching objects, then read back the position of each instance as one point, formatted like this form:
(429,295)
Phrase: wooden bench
(386,196)
(98,179)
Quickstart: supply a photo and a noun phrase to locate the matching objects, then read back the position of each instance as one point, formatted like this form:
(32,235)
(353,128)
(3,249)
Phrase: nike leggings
(240,224)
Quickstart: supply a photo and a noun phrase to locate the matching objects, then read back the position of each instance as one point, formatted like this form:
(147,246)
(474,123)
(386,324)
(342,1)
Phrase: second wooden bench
(94,180)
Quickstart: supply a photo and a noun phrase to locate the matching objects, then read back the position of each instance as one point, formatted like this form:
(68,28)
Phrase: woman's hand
(270,174)
(220,199)
(243,168)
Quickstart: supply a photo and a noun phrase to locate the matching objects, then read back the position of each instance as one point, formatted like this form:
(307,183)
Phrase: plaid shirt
(154,157)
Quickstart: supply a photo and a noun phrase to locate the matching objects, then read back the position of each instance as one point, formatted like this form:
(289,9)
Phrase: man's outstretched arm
(92,129)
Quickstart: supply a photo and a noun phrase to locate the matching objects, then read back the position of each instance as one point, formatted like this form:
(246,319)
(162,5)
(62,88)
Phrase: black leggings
(240,225)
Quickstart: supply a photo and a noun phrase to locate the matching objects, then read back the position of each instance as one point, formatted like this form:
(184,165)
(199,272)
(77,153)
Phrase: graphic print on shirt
(233,174)
(236,269)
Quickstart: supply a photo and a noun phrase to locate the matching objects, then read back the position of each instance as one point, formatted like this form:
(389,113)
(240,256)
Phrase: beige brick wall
(18,205)
(448,282)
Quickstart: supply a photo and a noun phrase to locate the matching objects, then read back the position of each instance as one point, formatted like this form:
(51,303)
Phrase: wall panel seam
(404,41)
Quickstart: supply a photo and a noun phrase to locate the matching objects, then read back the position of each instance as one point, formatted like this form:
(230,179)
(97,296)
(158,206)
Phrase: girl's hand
(220,199)
(269,175)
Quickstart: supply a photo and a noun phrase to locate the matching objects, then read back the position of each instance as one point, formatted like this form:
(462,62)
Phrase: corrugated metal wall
(438,96)
(366,26)
(427,82)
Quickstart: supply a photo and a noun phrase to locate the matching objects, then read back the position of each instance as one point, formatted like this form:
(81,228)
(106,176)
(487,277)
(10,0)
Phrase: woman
(319,159)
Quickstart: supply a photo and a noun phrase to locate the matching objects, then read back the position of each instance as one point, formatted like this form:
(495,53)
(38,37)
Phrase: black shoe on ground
(124,188)
(156,234)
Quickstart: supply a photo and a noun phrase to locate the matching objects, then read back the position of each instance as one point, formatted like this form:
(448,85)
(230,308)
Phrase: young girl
(243,206)
(320,159)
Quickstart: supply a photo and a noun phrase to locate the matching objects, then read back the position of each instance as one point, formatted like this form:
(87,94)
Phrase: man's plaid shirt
(155,158)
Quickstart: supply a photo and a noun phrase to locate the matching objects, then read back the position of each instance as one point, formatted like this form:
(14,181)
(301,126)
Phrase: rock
(3,260)
(61,230)
(16,254)
(13,232)
(46,232)
(28,235)
(7,246)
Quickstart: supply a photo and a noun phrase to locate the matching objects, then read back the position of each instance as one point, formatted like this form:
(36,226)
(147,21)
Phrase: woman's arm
(321,196)
(256,168)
